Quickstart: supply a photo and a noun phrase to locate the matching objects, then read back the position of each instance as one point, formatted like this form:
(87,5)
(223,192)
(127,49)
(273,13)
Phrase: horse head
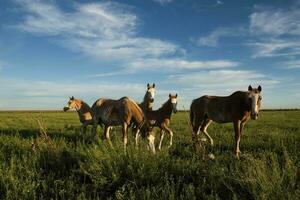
(254,101)
(72,104)
(150,94)
(173,100)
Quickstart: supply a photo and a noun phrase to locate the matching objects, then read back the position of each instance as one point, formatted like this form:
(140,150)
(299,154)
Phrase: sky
(50,50)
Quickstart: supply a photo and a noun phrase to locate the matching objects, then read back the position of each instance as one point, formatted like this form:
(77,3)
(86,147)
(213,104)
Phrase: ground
(42,155)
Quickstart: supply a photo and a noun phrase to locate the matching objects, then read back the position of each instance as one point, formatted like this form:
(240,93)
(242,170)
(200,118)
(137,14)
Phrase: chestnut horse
(84,112)
(236,108)
(161,118)
(119,112)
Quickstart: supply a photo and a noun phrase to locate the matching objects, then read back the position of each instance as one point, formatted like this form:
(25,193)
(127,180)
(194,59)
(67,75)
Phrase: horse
(161,118)
(238,108)
(148,100)
(84,112)
(146,105)
(123,111)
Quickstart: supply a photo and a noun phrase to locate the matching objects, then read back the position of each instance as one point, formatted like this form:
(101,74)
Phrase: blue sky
(50,50)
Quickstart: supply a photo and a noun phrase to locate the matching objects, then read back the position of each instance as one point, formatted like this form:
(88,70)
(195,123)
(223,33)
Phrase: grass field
(62,165)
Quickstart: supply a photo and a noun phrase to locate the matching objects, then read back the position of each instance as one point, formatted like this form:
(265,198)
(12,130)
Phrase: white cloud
(293,64)
(102,30)
(276,47)
(275,21)
(24,94)
(222,81)
(212,40)
(277,32)
(163,2)
(179,64)
(164,65)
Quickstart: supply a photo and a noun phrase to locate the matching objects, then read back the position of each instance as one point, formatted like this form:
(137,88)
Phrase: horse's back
(221,109)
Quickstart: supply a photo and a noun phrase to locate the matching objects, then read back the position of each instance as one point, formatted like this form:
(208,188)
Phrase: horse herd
(238,108)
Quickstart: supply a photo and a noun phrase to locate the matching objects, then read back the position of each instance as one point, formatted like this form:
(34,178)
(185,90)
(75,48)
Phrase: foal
(161,118)
(84,112)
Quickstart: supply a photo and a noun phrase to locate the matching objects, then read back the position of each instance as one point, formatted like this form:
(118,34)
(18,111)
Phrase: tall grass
(54,162)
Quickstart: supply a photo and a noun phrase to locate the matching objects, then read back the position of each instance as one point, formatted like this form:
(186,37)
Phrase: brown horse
(236,108)
(119,112)
(161,117)
(84,112)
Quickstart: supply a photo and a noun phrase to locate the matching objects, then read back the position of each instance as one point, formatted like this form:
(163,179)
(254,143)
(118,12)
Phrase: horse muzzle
(66,109)
(254,116)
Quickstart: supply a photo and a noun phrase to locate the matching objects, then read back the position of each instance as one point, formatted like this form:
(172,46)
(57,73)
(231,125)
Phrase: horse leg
(196,128)
(125,129)
(243,125)
(171,134)
(237,129)
(162,133)
(94,130)
(106,134)
(81,130)
(203,129)
(151,140)
(137,136)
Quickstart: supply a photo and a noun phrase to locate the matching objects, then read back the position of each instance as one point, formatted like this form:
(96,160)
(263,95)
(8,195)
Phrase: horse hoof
(211,156)
(237,154)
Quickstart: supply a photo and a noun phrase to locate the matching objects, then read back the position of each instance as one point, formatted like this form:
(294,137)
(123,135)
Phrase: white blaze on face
(67,105)
(174,100)
(152,92)
(254,107)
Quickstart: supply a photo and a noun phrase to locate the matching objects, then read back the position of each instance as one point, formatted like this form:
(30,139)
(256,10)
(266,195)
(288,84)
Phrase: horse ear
(170,95)
(176,95)
(259,88)
(72,98)
(153,85)
(249,88)
(148,85)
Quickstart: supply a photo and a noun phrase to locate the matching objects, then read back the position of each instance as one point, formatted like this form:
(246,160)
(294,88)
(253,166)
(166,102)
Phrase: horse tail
(192,116)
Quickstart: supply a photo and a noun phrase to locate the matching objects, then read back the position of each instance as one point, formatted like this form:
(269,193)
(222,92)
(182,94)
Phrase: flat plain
(42,156)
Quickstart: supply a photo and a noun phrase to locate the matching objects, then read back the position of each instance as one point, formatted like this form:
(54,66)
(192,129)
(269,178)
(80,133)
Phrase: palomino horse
(84,112)
(119,112)
(148,100)
(236,108)
(161,117)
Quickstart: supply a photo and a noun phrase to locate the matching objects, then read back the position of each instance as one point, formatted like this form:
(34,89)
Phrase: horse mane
(84,104)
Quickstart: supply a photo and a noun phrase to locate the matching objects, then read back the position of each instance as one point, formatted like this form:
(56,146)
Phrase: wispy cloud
(164,65)
(222,83)
(212,40)
(179,64)
(24,94)
(222,79)
(275,22)
(277,31)
(102,30)
(163,2)
(293,64)
(275,47)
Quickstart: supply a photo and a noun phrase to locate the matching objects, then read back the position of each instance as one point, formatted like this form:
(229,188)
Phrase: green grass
(64,165)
